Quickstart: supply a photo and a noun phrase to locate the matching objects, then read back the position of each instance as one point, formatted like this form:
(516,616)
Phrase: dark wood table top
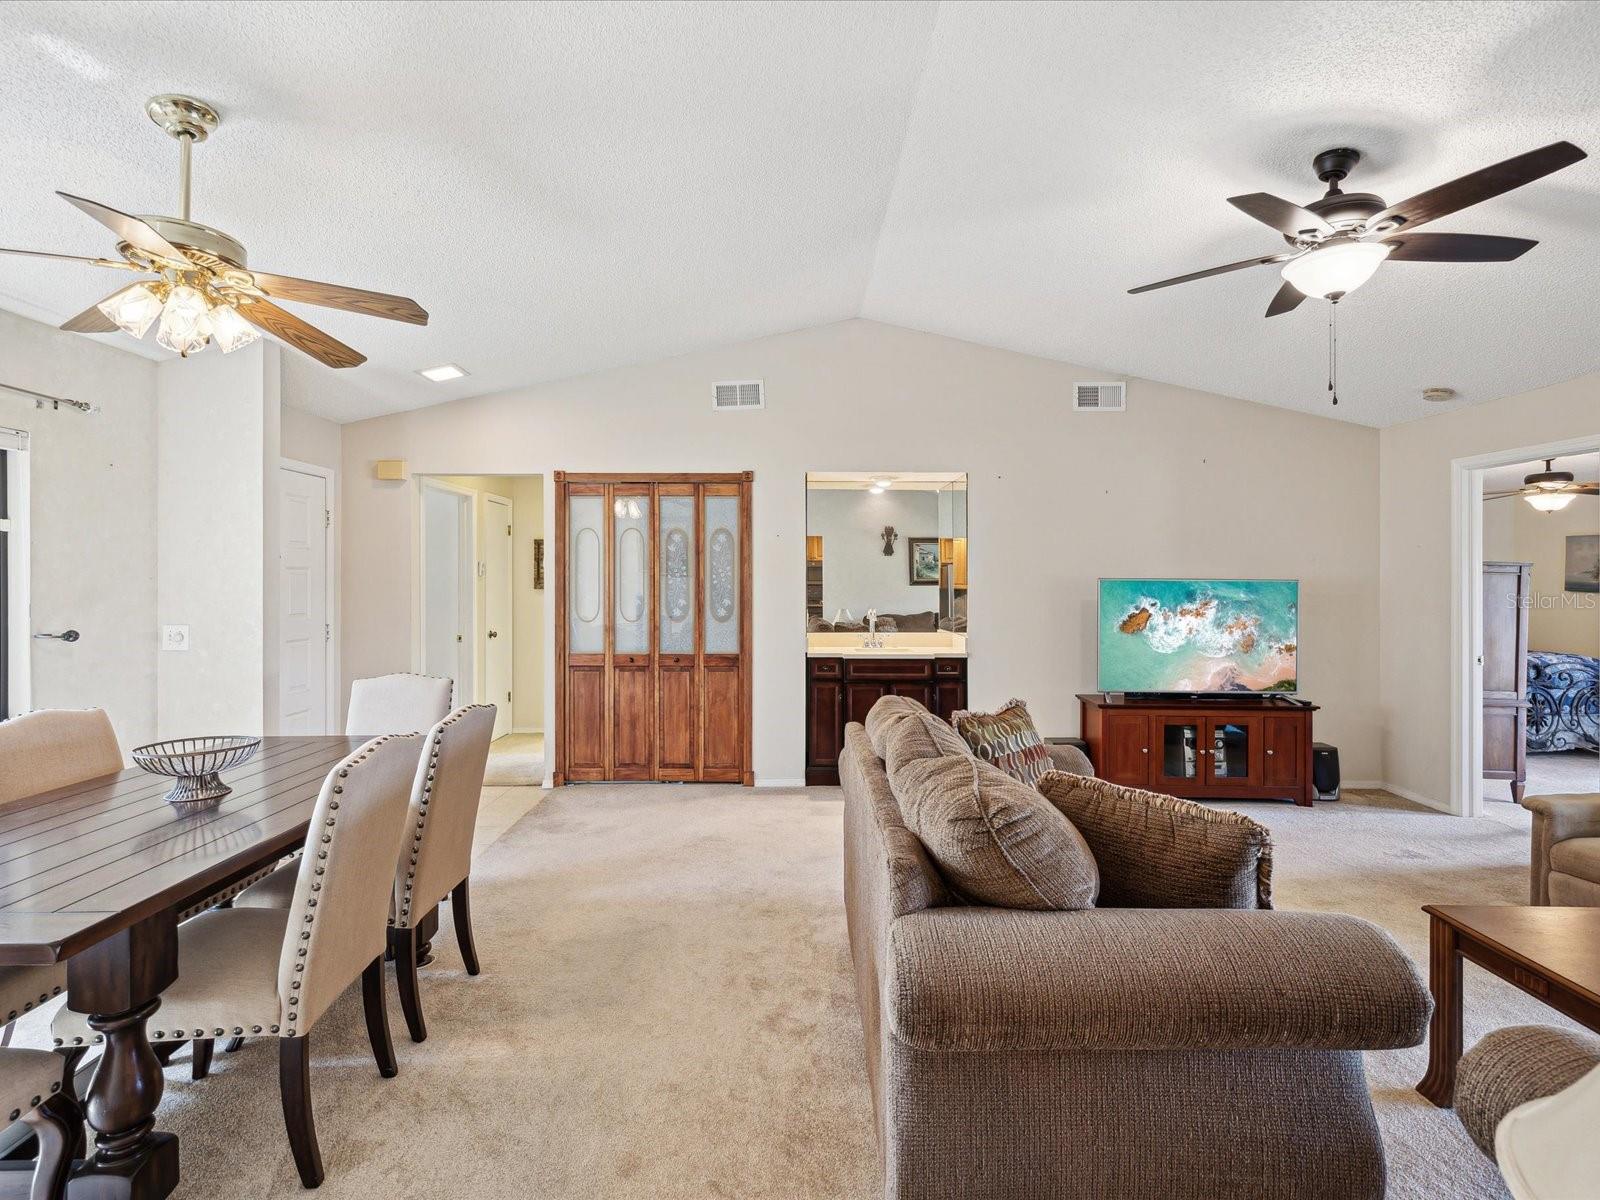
(1561,944)
(87,861)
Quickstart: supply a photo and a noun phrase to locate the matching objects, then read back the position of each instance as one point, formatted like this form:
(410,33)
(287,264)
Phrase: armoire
(653,627)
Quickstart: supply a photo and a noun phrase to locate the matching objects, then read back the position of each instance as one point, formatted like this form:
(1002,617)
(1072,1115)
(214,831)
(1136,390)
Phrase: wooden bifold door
(653,628)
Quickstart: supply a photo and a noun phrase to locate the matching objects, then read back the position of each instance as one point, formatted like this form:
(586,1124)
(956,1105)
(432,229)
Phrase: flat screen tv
(1199,636)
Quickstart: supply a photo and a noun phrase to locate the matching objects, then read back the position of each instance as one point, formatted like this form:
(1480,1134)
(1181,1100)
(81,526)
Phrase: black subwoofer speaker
(1325,770)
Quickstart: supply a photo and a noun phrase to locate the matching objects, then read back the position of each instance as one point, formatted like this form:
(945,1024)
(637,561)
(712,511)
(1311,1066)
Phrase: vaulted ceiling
(575,186)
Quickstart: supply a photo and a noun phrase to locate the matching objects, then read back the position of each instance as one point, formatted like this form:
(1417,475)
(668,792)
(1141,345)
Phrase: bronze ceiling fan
(1338,241)
(1548,490)
(203,289)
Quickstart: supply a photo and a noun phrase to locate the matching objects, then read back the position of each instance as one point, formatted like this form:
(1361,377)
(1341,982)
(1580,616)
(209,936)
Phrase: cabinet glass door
(1181,751)
(1230,750)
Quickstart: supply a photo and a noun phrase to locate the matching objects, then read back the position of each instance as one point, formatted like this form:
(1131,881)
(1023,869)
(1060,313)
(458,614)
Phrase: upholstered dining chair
(397,704)
(31,1092)
(39,752)
(436,859)
(274,972)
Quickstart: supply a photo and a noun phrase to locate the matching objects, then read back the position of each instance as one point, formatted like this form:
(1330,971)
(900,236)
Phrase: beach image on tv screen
(1198,635)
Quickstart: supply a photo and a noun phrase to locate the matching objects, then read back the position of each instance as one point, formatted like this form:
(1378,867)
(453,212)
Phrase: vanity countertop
(886,652)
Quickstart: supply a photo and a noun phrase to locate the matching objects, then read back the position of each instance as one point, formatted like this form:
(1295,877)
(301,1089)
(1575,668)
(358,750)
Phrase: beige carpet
(667,1012)
(515,760)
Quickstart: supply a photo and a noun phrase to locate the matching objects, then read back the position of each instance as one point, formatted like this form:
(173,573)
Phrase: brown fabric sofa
(1110,1054)
(1512,1066)
(1566,849)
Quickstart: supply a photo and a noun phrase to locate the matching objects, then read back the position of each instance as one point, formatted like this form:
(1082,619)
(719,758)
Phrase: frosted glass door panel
(586,618)
(630,520)
(677,574)
(722,575)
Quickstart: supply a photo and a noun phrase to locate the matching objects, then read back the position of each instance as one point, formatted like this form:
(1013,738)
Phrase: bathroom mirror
(890,543)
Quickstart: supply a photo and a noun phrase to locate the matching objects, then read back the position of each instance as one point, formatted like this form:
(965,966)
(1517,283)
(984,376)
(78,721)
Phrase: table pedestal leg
(1444,1030)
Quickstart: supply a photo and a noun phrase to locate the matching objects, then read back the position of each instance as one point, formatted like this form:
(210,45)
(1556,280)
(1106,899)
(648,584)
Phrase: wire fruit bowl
(195,763)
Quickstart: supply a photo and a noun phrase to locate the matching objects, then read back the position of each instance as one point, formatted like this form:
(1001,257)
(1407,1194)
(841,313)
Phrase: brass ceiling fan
(203,289)
(1548,490)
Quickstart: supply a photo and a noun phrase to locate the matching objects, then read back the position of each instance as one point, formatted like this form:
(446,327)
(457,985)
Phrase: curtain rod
(40,399)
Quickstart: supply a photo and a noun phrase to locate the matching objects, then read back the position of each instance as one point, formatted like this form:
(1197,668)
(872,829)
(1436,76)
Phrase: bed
(1563,702)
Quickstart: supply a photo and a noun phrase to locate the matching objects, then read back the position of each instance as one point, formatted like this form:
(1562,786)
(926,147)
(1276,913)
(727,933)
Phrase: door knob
(69,635)
(492,633)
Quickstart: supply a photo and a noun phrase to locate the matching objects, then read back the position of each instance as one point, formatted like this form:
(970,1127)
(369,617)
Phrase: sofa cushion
(1578,856)
(1157,851)
(1511,1066)
(885,713)
(1005,739)
(917,736)
(995,841)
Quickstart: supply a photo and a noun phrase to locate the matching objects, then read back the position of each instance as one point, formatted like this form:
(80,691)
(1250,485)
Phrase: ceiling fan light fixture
(1549,502)
(230,330)
(132,310)
(1336,269)
(185,322)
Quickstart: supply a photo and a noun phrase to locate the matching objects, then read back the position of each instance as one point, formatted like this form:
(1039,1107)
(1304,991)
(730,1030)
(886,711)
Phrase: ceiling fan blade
(308,339)
(92,320)
(1479,186)
(1287,300)
(1238,266)
(93,262)
(130,229)
(1504,495)
(1288,219)
(334,295)
(1456,247)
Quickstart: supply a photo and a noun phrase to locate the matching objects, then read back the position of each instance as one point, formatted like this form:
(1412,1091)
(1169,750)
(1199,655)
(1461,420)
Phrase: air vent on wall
(1099,397)
(738,393)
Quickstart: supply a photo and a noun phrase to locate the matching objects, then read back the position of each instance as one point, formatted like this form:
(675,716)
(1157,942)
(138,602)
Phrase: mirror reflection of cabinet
(653,628)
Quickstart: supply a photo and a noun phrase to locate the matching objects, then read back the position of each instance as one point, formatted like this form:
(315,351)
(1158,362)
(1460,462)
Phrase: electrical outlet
(174,637)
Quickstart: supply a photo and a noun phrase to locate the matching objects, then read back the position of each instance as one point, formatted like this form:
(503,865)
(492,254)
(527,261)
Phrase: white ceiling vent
(1099,397)
(737,394)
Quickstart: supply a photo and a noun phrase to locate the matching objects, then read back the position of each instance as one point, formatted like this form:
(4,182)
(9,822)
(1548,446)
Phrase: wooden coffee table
(1550,953)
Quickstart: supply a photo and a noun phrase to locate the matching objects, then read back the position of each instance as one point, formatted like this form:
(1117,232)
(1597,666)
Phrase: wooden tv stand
(1212,748)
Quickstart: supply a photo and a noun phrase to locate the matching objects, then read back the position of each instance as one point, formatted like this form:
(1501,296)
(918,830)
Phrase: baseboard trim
(527,729)
(780,783)
(1364,785)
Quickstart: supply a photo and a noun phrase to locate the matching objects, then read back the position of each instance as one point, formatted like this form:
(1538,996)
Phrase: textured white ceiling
(1585,468)
(572,187)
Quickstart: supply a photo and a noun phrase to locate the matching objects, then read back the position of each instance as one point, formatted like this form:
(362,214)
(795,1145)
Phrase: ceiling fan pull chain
(1333,349)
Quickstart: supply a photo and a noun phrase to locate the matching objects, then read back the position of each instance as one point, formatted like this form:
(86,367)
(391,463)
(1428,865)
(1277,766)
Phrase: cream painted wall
(217,439)
(309,439)
(526,494)
(93,560)
(1559,621)
(1415,590)
(1184,483)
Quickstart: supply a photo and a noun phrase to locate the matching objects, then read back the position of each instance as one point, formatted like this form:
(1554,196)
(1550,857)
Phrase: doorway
(499,631)
(306,687)
(449,574)
(1525,627)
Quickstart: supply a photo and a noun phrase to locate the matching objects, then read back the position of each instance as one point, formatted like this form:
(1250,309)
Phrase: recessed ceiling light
(442,373)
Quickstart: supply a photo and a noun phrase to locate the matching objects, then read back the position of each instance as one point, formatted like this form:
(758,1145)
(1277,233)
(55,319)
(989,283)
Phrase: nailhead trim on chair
(403,919)
(30,1005)
(16,1113)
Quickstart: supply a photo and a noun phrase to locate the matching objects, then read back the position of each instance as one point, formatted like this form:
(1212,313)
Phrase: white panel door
(447,597)
(498,624)
(303,633)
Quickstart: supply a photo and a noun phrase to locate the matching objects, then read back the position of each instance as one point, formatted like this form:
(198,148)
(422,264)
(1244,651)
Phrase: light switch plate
(174,637)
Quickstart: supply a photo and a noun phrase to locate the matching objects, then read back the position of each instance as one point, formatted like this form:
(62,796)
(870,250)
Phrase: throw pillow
(1158,851)
(885,713)
(917,736)
(1006,739)
(995,841)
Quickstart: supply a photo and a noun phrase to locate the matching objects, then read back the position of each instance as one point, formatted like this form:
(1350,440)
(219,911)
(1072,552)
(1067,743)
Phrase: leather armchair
(1565,853)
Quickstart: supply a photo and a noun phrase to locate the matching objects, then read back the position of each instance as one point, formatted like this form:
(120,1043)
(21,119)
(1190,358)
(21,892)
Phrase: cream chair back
(437,853)
(49,749)
(397,704)
(339,917)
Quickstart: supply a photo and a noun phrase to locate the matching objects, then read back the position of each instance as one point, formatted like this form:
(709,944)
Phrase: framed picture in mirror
(922,555)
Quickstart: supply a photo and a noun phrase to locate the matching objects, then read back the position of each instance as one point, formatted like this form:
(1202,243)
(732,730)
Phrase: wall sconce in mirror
(889,536)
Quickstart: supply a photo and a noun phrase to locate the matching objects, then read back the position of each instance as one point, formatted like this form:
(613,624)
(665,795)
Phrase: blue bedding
(1563,702)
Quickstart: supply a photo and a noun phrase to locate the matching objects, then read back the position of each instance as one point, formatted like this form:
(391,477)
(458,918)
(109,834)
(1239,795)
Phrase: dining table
(98,875)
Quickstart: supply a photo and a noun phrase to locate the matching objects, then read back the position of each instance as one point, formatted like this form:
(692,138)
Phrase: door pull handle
(66,635)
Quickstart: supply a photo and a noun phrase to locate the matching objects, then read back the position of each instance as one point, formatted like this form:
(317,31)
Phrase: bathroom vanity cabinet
(844,688)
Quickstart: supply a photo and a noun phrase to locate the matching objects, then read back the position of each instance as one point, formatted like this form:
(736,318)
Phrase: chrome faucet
(873,641)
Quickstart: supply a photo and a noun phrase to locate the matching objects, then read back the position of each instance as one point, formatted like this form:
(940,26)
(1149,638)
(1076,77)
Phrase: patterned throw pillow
(1006,739)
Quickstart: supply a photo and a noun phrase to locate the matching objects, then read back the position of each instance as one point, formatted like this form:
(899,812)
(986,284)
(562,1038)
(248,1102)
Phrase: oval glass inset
(677,574)
(630,575)
(721,569)
(586,575)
